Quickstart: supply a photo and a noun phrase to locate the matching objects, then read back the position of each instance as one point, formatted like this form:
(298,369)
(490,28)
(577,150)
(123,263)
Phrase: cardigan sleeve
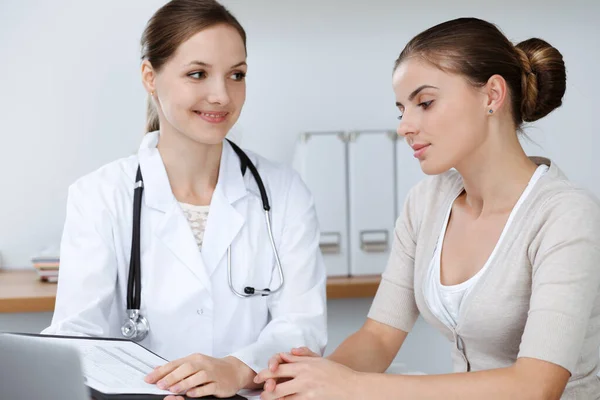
(565,280)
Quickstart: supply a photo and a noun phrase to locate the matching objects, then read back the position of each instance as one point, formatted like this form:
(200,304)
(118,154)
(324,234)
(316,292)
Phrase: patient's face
(442,114)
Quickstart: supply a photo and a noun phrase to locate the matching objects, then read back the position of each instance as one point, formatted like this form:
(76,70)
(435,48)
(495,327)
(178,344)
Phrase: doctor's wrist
(243,373)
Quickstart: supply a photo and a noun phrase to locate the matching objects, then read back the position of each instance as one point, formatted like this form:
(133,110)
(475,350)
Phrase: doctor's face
(443,116)
(201,89)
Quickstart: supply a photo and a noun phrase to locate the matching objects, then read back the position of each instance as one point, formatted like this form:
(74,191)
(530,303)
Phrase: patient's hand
(198,375)
(279,358)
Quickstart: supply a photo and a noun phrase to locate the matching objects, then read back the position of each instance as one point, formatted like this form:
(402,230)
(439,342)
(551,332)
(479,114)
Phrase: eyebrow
(416,92)
(203,64)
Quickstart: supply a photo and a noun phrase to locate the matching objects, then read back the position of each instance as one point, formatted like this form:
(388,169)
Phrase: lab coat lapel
(173,228)
(175,232)
(224,220)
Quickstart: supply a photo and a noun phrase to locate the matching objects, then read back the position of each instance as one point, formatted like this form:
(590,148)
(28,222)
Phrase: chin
(430,167)
(209,136)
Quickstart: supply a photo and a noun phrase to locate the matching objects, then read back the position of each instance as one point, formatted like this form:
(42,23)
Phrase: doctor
(203,275)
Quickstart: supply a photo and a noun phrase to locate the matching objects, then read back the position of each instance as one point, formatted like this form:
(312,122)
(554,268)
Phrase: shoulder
(278,177)
(108,180)
(275,173)
(566,217)
(288,194)
(560,201)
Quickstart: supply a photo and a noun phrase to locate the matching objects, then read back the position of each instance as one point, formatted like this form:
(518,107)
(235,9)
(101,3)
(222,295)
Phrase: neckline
(538,173)
(193,207)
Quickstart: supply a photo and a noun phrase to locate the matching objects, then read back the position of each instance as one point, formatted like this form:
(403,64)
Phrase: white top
(197,217)
(445,301)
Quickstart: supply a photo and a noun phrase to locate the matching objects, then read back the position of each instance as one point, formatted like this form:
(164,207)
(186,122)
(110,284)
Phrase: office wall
(71,98)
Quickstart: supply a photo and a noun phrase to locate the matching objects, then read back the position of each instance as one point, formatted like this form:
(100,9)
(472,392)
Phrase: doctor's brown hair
(173,24)
(534,71)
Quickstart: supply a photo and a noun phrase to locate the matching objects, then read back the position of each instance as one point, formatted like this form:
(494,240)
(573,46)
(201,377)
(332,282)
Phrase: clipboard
(98,395)
(101,396)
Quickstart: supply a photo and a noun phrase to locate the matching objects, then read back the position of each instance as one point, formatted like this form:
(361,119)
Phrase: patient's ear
(495,91)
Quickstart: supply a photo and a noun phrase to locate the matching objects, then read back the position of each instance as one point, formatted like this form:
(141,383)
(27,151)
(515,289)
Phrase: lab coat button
(200,311)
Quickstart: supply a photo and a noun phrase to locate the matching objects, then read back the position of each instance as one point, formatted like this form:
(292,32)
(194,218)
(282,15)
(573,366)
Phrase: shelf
(21,290)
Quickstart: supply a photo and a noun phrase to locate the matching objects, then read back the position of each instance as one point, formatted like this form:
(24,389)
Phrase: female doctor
(198,271)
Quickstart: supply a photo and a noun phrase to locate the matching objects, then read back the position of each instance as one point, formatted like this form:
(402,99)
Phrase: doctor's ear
(148,76)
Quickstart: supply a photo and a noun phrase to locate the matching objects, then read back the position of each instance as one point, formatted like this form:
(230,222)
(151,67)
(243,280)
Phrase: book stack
(47,268)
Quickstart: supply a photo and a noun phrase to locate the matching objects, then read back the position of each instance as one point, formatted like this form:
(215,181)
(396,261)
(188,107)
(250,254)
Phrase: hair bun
(544,78)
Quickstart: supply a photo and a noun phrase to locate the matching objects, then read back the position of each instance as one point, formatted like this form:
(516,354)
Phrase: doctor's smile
(212,117)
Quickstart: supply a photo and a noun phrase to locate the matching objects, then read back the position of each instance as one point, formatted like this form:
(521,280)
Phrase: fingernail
(175,389)
(161,385)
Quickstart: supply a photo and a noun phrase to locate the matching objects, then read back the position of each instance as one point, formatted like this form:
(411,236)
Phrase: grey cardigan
(540,297)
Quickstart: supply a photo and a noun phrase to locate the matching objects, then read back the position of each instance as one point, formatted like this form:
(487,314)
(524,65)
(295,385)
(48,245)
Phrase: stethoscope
(136,326)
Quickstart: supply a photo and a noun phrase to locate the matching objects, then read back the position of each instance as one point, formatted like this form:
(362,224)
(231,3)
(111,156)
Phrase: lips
(214,117)
(419,149)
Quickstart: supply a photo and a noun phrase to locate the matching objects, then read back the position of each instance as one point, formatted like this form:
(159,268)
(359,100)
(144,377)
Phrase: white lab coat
(185,295)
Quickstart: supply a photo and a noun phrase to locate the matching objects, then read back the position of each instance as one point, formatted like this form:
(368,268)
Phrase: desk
(21,291)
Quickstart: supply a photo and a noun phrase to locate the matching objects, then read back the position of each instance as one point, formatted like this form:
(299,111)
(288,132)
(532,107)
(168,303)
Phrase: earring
(491,111)
(152,94)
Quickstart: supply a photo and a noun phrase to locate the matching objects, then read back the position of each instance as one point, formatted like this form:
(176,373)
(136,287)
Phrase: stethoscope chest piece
(136,327)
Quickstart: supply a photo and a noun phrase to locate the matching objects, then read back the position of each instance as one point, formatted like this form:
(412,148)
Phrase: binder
(321,160)
(372,199)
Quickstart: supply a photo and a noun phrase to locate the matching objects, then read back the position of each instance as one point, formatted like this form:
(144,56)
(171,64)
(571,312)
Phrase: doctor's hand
(198,375)
(277,359)
(311,378)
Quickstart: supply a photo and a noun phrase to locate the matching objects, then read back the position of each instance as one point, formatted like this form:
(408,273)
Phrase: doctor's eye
(238,76)
(399,117)
(197,75)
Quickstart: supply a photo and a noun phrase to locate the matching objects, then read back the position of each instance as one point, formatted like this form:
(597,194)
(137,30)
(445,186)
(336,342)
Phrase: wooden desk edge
(352,287)
(27,304)
(33,296)
(337,288)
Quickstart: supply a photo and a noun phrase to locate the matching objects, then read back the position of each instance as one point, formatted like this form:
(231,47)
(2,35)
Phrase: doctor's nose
(218,93)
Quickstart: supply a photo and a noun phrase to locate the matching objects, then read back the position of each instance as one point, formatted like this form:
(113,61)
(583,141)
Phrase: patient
(497,250)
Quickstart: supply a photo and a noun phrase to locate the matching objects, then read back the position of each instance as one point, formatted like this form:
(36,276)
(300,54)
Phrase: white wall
(71,98)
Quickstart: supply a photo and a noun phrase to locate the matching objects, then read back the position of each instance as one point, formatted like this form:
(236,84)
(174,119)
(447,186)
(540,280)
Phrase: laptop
(30,369)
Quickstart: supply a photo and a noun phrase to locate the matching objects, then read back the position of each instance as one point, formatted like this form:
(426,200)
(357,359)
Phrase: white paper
(115,367)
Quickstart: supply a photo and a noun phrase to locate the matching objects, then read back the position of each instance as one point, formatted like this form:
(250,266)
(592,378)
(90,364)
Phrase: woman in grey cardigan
(497,250)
